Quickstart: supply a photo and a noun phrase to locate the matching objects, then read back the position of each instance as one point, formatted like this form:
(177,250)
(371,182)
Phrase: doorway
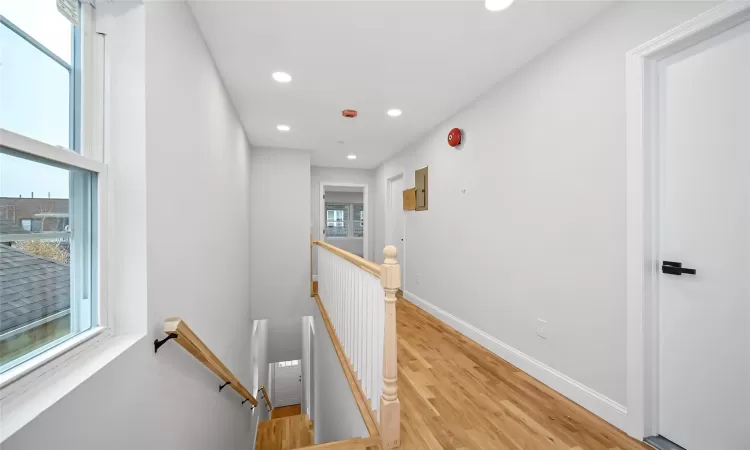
(287,383)
(704,306)
(344,217)
(395,230)
(689,212)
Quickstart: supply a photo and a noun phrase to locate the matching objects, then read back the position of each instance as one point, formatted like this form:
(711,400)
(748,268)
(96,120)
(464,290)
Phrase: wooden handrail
(351,257)
(265,396)
(190,342)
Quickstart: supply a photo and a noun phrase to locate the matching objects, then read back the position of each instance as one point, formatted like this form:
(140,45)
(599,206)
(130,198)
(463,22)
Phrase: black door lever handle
(675,268)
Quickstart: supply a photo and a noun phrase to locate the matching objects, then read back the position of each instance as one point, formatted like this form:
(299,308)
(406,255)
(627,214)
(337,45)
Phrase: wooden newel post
(390,407)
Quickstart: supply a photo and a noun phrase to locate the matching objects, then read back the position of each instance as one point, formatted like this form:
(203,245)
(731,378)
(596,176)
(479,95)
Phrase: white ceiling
(427,58)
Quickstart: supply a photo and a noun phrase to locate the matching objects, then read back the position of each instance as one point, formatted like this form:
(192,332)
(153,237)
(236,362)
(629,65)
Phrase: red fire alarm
(349,113)
(454,137)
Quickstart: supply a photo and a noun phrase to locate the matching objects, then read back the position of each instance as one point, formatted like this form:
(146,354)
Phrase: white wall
(344,197)
(195,154)
(125,155)
(351,245)
(355,176)
(336,414)
(540,231)
(280,247)
(306,366)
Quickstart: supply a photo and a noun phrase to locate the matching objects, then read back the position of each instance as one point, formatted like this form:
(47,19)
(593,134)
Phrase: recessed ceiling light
(351,157)
(497,5)
(282,77)
(394,112)
(283,127)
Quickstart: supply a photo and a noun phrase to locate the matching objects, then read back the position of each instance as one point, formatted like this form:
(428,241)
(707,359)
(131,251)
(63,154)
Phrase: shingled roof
(31,288)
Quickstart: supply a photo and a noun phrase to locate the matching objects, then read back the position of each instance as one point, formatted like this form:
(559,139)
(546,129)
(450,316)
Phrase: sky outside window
(34,93)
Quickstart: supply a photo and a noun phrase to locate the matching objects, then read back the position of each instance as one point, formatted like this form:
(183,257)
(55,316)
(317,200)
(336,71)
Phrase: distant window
(345,220)
(33,225)
(288,363)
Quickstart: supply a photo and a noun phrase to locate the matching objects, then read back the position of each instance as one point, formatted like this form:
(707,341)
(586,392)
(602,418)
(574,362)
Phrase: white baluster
(338,296)
(342,304)
(334,292)
(353,304)
(352,282)
(380,312)
(375,344)
(347,306)
(322,273)
(363,358)
(358,327)
(355,321)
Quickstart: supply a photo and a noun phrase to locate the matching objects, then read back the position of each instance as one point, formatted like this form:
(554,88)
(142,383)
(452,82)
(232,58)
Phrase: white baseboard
(602,406)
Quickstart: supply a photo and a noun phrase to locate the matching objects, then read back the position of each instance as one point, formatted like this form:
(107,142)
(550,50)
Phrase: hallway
(457,395)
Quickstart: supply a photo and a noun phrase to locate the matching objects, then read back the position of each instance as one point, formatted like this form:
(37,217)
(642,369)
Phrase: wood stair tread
(286,433)
(350,444)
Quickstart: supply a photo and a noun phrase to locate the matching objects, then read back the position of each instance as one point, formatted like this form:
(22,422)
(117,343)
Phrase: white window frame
(40,150)
(35,384)
(349,222)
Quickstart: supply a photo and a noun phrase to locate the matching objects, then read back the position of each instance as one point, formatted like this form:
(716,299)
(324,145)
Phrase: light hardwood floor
(284,434)
(293,432)
(455,394)
(286,411)
(351,444)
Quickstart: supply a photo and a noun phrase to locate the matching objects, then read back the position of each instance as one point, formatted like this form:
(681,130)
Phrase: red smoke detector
(454,137)
(349,113)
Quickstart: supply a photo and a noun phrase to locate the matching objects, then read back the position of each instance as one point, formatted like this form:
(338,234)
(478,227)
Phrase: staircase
(297,432)
(351,444)
(285,434)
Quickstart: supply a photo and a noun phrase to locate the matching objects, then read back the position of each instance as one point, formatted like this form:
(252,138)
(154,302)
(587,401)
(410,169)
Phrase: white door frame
(642,254)
(366,207)
(401,258)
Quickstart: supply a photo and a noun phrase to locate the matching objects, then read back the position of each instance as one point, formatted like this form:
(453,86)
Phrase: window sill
(29,389)
(49,357)
(335,238)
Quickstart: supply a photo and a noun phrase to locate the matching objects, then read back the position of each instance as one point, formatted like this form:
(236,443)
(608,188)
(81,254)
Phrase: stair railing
(264,394)
(177,330)
(358,297)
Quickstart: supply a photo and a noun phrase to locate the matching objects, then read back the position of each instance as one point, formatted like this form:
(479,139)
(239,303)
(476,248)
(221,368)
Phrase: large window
(345,220)
(49,196)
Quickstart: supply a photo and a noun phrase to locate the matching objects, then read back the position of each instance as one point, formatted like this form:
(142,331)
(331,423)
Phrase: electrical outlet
(541,328)
(417,278)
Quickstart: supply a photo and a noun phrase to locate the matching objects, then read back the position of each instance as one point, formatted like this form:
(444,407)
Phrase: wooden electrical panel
(410,199)
(421,183)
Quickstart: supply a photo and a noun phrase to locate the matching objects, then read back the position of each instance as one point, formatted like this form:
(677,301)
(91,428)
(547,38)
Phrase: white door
(395,215)
(287,384)
(704,319)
